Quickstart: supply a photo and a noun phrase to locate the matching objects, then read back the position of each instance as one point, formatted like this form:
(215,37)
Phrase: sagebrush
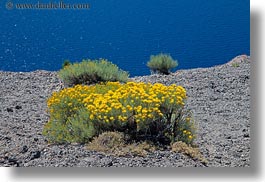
(162,63)
(91,72)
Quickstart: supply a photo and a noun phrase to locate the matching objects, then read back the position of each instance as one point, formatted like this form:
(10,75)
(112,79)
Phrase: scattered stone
(246,135)
(9,109)
(18,107)
(110,164)
(8,138)
(12,159)
(24,149)
(35,155)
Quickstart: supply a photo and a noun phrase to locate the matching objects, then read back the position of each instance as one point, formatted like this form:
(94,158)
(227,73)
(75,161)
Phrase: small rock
(9,109)
(218,157)
(18,164)
(35,155)
(227,163)
(12,159)
(213,98)
(246,135)
(24,149)
(8,138)
(18,107)
(212,85)
(110,164)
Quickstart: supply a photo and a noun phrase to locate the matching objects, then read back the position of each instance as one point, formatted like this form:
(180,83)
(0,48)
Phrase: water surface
(198,33)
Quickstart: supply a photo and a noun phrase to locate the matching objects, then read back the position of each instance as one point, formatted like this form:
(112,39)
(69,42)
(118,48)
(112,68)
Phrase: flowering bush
(142,110)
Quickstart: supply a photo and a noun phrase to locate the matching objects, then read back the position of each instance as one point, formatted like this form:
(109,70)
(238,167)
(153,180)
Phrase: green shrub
(235,64)
(75,127)
(90,72)
(141,110)
(66,63)
(161,63)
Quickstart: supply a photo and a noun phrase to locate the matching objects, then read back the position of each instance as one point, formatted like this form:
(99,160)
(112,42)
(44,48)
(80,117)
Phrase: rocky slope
(218,96)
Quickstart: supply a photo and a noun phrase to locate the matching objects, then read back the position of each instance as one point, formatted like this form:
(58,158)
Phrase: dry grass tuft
(115,143)
(138,149)
(107,142)
(183,148)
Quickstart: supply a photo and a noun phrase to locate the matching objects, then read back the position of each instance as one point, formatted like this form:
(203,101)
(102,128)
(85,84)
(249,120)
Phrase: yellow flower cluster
(114,101)
(70,98)
(188,133)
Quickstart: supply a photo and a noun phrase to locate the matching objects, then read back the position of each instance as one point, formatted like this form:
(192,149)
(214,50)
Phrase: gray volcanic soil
(218,96)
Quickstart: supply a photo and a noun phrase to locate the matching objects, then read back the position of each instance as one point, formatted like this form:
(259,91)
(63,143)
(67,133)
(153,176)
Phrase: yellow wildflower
(91,117)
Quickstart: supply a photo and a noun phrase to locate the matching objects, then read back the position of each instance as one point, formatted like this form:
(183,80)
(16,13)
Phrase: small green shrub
(66,63)
(74,127)
(235,64)
(90,72)
(161,63)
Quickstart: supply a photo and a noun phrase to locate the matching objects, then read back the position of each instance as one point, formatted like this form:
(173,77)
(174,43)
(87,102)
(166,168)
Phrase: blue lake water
(198,33)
